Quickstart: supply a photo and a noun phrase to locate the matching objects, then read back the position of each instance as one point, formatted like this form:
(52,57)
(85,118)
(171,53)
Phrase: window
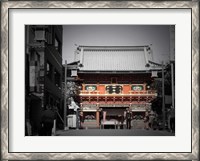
(40,35)
(49,70)
(58,45)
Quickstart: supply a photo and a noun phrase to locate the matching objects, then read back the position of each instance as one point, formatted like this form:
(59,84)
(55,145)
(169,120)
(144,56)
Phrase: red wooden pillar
(97,118)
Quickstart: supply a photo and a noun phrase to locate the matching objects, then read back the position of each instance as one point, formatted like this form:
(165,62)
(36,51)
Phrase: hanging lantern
(154,74)
(74,73)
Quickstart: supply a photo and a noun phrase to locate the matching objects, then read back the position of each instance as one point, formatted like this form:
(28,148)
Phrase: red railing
(84,92)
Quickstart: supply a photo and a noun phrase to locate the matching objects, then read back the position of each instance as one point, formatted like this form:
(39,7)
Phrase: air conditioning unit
(40,35)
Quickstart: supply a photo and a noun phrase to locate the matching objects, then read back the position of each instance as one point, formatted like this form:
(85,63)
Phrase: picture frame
(7,6)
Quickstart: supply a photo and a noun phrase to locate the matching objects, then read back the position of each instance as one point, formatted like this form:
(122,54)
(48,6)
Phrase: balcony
(131,93)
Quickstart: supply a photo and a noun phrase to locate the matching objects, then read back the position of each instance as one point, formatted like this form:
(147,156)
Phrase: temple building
(114,79)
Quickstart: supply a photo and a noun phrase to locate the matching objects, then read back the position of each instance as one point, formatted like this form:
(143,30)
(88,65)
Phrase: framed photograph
(100,80)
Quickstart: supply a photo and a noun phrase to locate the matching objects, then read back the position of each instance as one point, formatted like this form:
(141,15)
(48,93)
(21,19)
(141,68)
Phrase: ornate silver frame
(6,5)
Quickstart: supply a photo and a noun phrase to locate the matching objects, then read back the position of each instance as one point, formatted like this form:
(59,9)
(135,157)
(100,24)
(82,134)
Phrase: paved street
(113,132)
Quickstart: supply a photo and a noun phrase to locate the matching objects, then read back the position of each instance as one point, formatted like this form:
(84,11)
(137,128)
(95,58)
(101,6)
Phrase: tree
(72,91)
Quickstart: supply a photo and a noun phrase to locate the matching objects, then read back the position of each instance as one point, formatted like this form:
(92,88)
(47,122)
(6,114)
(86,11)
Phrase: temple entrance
(112,117)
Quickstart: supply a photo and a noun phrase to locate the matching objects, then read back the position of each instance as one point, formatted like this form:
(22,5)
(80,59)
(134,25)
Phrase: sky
(117,35)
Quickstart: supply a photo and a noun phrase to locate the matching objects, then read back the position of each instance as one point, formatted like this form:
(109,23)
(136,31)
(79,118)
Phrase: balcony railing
(147,92)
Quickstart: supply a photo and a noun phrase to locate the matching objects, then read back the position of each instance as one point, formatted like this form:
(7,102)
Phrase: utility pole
(163,95)
(163,90)
(172,79)
(65,97)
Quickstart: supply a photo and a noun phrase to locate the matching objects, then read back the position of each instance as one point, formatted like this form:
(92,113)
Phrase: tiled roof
(113,58)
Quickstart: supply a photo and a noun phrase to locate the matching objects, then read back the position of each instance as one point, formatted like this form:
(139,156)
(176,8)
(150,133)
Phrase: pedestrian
(146,120)
(48,117)
(128,120)
(81,119)
(151,118)
(76,110)
(155,121)
(172,119)
(168,119)
(122,121)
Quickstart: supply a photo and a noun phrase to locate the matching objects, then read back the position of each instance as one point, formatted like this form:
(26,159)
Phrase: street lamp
(163,90)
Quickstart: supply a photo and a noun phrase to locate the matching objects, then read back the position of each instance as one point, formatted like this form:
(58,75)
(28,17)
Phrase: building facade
(43,71)
(115,79)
